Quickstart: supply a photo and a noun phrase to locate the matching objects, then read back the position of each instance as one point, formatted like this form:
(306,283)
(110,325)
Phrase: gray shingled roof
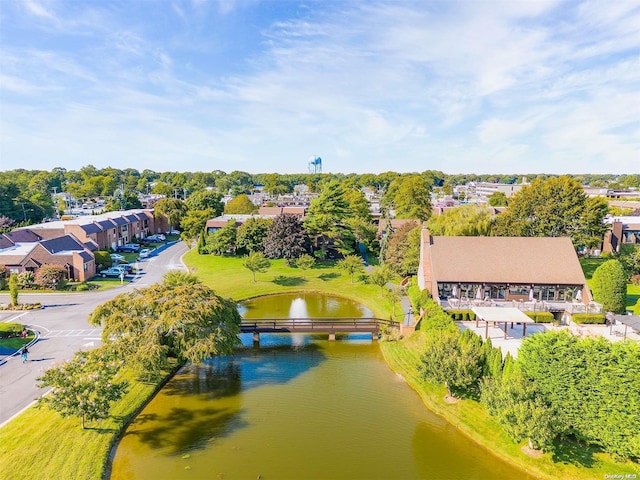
(61,244)
(91,228)
(23,236)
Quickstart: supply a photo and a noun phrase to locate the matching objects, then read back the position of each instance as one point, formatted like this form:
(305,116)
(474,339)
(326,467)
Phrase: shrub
(609,285)
(51,276)
(25,279)
(82,287)
(462,315)
(591,318)
(9,330)
(541,317)
(103,259)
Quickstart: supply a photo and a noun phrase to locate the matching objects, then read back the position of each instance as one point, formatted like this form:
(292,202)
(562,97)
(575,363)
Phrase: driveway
(63,329)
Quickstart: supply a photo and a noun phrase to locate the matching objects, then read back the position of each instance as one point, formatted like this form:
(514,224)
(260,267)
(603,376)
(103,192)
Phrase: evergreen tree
(609,285)
(327,219)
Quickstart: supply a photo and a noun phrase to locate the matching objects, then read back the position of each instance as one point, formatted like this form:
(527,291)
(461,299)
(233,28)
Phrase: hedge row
(595,318)
(462,315)
(541,317)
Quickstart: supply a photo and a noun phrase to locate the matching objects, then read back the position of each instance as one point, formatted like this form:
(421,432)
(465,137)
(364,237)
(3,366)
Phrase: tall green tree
(590,386)
(327,219)
(181,319)
(380,277)
(410,197)
(13,289)
(498,199)
(520,409)
(172,208)
(252,234)
(256,262)
(554,207)
(194,222)
(86,386)
(402,252)
(206,200)
(304,263)
(222,241)
(609,285)
(241,205)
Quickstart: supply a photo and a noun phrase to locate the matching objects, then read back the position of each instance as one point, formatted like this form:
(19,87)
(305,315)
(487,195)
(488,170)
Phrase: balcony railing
(529,306)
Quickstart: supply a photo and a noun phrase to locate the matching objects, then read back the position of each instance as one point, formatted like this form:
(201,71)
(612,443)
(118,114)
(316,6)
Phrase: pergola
(632,321)
(499,315)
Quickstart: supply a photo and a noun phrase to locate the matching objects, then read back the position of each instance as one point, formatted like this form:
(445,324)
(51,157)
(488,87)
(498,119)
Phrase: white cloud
(454,86)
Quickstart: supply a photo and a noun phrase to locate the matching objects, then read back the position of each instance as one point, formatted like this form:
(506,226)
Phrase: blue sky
(264,86)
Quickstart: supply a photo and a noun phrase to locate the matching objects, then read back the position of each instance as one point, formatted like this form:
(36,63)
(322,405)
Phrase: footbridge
(330,326)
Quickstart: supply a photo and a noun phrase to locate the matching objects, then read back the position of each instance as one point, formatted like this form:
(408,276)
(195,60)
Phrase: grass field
(229,278)
(39,444)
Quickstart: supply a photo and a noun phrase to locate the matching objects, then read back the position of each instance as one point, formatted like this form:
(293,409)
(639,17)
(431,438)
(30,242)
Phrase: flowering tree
(85,386)
(51,276)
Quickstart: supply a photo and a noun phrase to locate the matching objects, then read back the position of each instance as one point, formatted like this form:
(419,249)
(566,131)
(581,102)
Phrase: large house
(25,251)
(533,273)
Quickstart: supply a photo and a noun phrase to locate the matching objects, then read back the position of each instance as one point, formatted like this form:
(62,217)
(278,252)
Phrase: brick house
(66,251)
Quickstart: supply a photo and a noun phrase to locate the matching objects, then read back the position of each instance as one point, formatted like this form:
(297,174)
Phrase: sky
(368,86)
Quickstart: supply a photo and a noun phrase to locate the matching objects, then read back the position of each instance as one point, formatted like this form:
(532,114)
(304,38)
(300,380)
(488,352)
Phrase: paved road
(64,329)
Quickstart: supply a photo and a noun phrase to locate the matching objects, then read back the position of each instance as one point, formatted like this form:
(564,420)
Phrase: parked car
(112,272)
(153,238)
(129,247)
(126,267)
(144,253)
(173,232)
(116,257)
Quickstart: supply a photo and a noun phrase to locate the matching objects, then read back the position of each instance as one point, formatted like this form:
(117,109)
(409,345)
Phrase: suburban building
(24,251)
(215,224)
(624,230)
(485,189)
(532,273)
(104,231)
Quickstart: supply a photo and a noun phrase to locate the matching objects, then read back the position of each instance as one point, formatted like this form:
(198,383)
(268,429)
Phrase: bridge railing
(343,324)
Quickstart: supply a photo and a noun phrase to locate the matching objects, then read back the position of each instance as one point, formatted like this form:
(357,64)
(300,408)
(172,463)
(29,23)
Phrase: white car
(115,257)
(144,253)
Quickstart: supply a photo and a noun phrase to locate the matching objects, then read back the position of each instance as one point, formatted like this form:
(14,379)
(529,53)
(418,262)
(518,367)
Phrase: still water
(298,407)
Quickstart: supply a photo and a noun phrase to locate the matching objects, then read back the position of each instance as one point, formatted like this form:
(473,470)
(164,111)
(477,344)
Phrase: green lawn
(229,278)
(15,343)
(41,444)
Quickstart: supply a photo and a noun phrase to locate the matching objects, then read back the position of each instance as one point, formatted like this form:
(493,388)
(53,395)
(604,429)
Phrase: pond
(297,407)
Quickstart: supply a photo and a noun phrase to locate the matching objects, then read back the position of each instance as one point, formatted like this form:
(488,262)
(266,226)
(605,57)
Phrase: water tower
(315,165)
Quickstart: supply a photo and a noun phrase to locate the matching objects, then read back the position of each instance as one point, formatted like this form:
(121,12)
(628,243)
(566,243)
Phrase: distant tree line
(25,195)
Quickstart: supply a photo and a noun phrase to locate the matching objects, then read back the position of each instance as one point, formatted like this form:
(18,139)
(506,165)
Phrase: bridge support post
(332,336)
(374,336)
(256,339)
